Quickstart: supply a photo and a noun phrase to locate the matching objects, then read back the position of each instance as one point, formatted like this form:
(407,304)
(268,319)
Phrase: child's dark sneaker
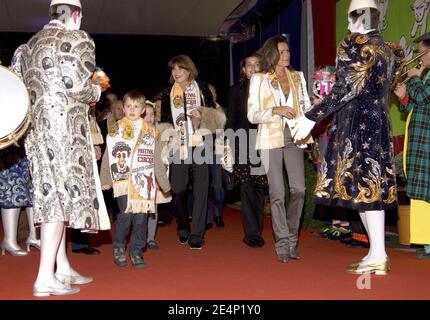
(153,245)
(137,261)
(119,257)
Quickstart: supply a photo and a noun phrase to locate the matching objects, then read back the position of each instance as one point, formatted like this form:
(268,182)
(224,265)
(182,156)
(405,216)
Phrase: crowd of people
(92,159)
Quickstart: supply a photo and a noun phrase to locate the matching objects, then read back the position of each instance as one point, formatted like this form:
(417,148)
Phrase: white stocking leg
(364,221)
(50,236)
(63,264)
(10,218)
(376,232)
(31,228)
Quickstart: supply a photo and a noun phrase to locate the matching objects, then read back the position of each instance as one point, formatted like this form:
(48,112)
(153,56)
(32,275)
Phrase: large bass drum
(14,106)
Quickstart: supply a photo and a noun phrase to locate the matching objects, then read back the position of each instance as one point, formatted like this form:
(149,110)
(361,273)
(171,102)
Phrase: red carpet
(226,269)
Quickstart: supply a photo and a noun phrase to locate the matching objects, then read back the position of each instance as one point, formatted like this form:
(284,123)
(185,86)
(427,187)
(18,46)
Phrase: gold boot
(353,266)
(377,268)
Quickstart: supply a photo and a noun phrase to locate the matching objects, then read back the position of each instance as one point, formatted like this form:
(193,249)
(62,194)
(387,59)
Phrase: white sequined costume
(56,65)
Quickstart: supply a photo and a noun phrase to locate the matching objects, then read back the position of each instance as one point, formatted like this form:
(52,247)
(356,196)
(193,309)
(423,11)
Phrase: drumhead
(14,102)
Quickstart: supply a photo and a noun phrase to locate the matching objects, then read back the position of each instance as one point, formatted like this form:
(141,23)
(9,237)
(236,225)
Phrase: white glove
(302,128)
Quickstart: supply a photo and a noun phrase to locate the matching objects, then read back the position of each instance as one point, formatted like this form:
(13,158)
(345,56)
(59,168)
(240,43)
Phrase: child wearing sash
(133,159)
(162,197)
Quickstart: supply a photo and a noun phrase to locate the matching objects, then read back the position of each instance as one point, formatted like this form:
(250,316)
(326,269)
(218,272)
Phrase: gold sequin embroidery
(322,182)
(372,192)
(344,163)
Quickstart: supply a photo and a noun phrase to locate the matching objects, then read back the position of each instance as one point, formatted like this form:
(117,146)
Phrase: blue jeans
(216,204)
(138,222)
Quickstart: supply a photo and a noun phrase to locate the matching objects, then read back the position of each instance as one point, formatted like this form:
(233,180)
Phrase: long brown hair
(183,62)
(270,54)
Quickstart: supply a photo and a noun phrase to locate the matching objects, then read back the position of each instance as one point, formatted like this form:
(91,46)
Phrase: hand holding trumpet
(400,90)
(401,64)
(416,72)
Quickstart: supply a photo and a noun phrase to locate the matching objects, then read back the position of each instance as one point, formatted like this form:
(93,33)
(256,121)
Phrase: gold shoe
(377,268)
(353,265)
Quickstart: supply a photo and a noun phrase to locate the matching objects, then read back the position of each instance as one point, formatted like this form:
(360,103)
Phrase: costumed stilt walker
(56,65)
(357,171)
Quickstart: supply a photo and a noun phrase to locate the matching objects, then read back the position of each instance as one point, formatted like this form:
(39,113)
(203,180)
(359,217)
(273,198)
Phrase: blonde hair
(135,96)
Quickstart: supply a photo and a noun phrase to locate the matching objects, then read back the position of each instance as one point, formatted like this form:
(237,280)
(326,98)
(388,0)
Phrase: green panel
(341,19)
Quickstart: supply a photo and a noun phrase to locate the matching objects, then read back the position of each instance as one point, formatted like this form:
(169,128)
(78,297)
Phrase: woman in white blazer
(277,96)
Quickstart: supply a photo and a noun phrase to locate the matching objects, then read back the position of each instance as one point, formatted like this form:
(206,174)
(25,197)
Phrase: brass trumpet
(399,61)
(407,63)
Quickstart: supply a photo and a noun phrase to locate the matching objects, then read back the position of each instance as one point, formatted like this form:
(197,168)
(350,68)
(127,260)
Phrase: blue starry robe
(357,171)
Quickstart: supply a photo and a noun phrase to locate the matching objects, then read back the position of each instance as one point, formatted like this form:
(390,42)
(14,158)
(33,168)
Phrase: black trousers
(79,239)
(179,178)
(252,199)
(165,212)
